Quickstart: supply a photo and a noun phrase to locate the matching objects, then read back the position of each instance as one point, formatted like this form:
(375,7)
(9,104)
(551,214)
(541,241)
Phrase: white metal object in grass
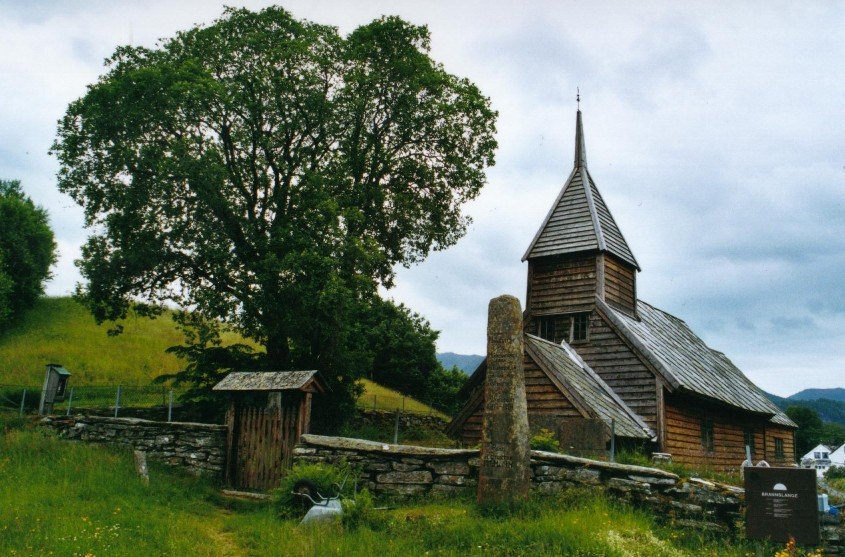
(330,510)
(325,508)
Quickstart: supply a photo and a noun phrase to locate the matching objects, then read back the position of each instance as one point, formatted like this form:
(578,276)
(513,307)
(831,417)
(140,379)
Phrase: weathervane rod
(578,97)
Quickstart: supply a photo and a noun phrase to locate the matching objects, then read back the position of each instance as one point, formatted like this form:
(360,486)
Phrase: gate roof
(271,381)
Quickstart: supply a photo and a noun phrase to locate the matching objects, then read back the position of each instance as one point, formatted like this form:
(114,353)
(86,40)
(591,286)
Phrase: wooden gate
(268,412)
(262,444)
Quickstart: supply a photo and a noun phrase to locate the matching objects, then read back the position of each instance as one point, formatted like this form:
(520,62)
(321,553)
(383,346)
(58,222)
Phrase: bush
(362,512)
(323,477)
(835,473)
(545,440)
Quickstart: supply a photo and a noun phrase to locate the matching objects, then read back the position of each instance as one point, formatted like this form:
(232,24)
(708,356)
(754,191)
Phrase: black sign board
(781,504)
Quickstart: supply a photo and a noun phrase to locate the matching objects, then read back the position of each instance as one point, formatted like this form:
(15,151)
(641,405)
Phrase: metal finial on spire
(580,149)
(578,97)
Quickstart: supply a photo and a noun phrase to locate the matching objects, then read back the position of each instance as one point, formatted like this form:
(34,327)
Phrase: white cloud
(712,131)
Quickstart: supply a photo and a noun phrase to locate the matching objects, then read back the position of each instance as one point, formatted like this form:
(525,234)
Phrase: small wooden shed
(268,412)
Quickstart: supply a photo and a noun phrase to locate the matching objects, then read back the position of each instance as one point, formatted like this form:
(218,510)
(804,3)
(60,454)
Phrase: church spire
(579,221)
(580,148)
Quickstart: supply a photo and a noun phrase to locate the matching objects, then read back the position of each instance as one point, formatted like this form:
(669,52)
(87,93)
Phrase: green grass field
(75,499)
(60,330)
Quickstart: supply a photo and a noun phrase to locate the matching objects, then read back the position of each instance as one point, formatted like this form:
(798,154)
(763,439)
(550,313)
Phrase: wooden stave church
(689,400)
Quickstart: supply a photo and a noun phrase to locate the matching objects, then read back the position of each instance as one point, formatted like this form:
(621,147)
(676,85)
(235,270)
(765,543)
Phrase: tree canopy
(27,250)
(271,173)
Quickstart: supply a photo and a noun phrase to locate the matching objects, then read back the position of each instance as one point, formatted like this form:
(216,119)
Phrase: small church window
(778,448)
(707,440)
(580,323)
(546,328)
(749,439)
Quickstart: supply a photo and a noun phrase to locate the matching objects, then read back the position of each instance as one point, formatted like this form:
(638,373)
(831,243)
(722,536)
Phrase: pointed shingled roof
(579,220)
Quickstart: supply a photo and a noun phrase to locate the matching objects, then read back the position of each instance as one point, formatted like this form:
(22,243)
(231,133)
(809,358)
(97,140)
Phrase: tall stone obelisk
(504,474)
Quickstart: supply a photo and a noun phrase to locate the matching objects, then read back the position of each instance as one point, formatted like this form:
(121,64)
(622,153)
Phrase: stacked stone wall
(404,470)
(385,419)
(200,448)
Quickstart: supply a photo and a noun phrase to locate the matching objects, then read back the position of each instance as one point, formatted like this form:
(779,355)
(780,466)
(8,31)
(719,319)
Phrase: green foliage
(27,250)
(11,420)
(83,499)
(404,357)
(361,513)
(827,409)
(424,437)
(832,434)
(545,440)
(324,476)
(812,430)
(835,473)
(270,173)
(809,428)
(207,360)
(379,397)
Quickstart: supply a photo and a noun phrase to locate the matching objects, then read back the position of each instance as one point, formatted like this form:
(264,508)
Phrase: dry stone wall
(403,470)
(409,470)
(198,447)
(386,420)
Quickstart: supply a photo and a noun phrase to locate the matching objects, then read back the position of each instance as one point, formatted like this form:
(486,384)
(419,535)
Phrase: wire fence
(153,401)
(398,402)
(160,402)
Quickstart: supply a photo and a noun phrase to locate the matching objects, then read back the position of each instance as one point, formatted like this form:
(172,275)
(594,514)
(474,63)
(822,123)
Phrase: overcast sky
(715,135)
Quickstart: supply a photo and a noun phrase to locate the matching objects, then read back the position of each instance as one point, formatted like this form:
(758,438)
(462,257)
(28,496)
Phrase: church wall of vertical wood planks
(596,354)
(267,414)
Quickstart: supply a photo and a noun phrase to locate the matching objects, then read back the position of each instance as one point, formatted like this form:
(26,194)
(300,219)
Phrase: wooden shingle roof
(687,363)
(561,362)
(575,380)
(579,219)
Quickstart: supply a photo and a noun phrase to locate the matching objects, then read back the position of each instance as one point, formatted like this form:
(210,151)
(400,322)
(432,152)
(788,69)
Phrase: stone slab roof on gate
(266,380)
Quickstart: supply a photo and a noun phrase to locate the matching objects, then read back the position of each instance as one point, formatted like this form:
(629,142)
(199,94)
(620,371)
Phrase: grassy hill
(60,330)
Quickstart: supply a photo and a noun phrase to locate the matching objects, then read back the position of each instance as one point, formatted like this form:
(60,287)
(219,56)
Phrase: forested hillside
(465,362)
(816,394)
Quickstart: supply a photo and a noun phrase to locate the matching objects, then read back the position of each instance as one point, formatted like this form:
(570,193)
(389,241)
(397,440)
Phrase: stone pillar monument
(504,474)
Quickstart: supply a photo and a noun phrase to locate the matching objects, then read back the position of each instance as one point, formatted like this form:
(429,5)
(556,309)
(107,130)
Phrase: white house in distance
(837,457)
(822,457)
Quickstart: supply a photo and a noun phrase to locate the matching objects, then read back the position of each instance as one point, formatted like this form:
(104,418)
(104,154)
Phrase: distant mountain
(828,410)
(816,394)
(465,362)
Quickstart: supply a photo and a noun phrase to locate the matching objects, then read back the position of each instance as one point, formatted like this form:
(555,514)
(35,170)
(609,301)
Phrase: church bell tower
(577,255)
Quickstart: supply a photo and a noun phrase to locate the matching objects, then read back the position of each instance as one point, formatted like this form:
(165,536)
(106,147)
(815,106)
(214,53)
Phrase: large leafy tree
(271,173)
(27,250)
(809,432)
(402,348)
